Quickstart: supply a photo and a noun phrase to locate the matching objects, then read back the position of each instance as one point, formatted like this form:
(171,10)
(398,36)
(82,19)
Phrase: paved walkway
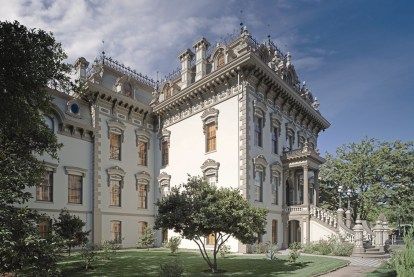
(357,266)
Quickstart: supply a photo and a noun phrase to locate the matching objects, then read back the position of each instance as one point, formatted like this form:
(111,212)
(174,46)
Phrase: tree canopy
(380,174)
(30,60)
(197,210)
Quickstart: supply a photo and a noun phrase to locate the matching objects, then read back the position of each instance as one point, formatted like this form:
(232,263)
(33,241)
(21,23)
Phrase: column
(316,186)
(358,239)
(305,186)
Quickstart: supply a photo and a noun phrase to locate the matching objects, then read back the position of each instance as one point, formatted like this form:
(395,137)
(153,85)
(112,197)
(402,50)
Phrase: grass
(146,263)
(383,271)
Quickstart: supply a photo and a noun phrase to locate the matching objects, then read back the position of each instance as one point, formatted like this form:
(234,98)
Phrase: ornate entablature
(210,116)
(142,178)
(210,167)
(116,127)
(116,173)
(260,164)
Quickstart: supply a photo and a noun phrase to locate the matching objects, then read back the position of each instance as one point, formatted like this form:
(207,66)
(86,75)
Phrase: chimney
(81,65)
(201,63)
(185,59)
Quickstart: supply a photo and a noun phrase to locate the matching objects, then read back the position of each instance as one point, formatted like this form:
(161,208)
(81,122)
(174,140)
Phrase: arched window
(49,122)
(220,60)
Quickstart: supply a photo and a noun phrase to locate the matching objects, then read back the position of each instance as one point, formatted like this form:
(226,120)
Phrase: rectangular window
(290,141)
(211,239)
(143,197)
(258,182)
(44,228)
(210,137)
(143,153)
(115,187)
(164,152)
(275,143)
(275,189)
(75,189)
(44,191)
(142,226)
(211,179)
(115,146)
(116,232)
(258,131)
(274,231)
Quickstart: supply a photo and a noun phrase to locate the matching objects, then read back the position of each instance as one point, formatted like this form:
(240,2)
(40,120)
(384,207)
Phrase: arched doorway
(294,231)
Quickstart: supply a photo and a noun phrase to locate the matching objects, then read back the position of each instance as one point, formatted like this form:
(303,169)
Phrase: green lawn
(146,263)
(382,271)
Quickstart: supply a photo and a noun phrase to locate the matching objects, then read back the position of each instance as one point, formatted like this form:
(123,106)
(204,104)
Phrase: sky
(357,57)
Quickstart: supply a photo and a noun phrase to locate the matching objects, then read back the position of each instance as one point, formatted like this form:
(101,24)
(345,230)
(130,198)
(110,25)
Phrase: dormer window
(220,60)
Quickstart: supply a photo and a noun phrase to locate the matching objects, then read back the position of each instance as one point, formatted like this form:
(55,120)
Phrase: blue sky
(357,57)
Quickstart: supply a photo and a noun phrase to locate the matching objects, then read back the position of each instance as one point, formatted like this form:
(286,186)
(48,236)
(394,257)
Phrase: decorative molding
(117,174)
(208,116)
(116,127)
(164,182)
(259,110)
(142,178)
(276,169)
(73,170)
(260,164)
(50,166)
(142,135)
(210,167)
(164,135)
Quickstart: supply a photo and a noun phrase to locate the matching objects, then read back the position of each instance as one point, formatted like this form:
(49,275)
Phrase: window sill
(140,209)
(116,207)
(209,152)
(75,204)
(113,159)
(43,202)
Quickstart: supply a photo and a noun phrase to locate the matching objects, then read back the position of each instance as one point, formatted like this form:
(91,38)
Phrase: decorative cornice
(73,170)
(142,178)
(116,173)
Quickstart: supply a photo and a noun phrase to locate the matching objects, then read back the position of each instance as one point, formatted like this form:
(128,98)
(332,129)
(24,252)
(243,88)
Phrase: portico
(301,190)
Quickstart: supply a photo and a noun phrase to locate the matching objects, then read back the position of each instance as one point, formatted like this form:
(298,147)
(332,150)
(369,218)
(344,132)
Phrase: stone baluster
(358,238)
(340,215)
(348,218)
(385,234)
(378,235)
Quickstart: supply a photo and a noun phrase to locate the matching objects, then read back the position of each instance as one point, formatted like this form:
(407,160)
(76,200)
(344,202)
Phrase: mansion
(235,112)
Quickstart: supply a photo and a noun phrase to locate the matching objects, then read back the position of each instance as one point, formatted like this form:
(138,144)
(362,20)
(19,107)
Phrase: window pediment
(260,109)
(260,163)
(142,178)
(73,170)
(143,135)
(116,127)
(116,173)
(164,179)
(210,167)
(276,169)
(210,115)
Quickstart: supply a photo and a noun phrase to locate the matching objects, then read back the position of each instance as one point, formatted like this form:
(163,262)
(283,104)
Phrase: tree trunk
(214,267)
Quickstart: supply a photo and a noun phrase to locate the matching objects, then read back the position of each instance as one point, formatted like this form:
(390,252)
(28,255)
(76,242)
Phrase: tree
(197,210)
(29,60)
(381,175)
(147,239)
(70,229)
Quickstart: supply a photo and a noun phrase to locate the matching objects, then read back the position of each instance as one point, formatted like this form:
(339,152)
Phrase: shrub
(224,250)
(260,248)
(403,261)
(171,268)
(147,239)
(343,249)
(88,255)
(109,248)
(294,252)
(173,243)
(272,250)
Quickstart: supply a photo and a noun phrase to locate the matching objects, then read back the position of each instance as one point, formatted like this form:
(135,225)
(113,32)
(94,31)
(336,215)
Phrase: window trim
(47,174)
(164,140)
(210,167)
(164,181)
(276,171)
(114,238)
(143,179)
(210,117)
